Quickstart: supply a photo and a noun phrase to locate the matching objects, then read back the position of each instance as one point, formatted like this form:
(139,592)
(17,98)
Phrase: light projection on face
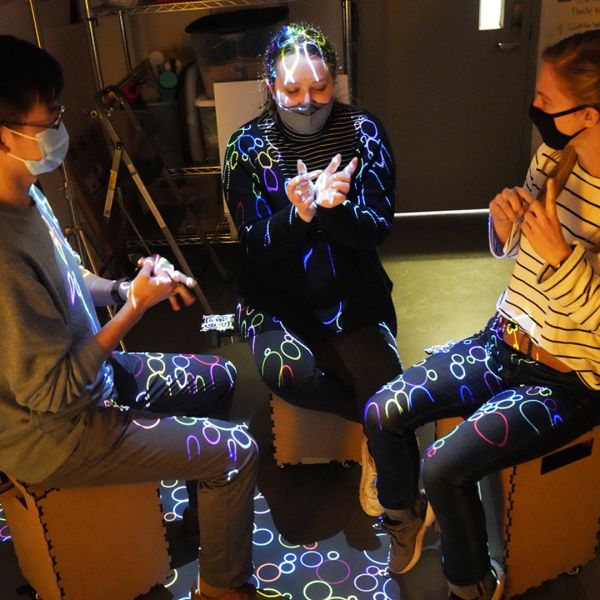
(299,43)
(299,70)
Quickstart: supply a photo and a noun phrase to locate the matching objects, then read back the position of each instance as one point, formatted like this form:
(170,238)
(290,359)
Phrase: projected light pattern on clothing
(159,378)
(205,433)
(78,296)
(4,532)
(467,378)
(282,355)
(262,157)
(76,290)
(314,269)
(491,424)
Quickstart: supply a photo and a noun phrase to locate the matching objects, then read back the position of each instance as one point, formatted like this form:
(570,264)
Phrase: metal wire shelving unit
(93,15)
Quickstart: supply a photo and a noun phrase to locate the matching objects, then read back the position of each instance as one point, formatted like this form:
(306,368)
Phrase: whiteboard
(562,18)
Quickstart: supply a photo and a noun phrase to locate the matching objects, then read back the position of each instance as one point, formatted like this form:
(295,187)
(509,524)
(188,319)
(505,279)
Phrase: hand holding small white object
(180,283)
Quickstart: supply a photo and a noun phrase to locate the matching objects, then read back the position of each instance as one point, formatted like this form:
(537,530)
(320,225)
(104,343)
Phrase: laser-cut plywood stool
(92,543)
(543,514)
(310,436)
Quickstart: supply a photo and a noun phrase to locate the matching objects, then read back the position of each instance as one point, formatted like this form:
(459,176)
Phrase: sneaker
(190,527)
(491,587)
(406,537)
(367,493)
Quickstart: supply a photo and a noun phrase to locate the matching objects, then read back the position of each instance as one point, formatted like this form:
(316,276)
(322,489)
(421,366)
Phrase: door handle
(508,45)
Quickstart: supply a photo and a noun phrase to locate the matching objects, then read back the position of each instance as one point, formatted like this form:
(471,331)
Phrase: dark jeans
(517,409)
(337,375)
(157,428)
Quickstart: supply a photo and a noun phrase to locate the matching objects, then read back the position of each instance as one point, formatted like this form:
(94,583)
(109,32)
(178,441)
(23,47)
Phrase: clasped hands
(158,280)
(328,190)
(539,222)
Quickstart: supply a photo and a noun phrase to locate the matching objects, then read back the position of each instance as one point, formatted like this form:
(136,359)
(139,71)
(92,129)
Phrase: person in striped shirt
(529,381)
(310,184)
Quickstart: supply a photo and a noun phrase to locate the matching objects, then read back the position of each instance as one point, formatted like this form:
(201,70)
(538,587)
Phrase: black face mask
(545,123)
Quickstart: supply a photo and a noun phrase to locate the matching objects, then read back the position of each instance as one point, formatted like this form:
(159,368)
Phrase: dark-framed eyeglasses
(58,111)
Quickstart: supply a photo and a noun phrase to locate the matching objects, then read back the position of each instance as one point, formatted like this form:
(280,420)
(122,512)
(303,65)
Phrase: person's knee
(432,473)
(385,411)
(288,376)
(245,453)
(236,458)
(225,375)
(442,470)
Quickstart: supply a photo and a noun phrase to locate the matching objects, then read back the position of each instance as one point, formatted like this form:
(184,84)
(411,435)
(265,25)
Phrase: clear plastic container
(228,45)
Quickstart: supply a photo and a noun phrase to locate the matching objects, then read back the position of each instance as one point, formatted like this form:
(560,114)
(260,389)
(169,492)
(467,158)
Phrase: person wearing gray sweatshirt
(73,411)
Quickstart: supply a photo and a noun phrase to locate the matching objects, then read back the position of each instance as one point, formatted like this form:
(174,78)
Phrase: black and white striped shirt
(560,310)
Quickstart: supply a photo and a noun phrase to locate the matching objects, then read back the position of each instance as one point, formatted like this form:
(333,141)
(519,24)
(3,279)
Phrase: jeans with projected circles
(515,408)
(336,375)
(165,423)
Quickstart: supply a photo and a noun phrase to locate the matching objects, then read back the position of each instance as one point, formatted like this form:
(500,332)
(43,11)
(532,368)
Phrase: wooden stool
(94,542)
(310,436)
(543,514)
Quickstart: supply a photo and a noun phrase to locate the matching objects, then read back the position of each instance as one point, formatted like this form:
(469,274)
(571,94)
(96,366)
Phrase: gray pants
(129,445)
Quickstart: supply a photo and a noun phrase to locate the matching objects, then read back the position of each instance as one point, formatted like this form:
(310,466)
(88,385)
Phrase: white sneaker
(367,494)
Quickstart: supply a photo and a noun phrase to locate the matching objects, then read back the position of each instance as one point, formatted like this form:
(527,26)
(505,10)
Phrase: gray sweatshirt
(51,367)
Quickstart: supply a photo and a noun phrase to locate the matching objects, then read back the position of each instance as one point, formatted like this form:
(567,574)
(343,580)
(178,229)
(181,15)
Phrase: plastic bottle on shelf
(167,83)
(156,59)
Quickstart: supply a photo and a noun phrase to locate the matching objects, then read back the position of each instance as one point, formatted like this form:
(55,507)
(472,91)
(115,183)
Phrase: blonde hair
(576,63)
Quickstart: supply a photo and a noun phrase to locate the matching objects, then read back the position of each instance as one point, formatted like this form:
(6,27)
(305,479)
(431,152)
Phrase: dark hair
(576,62)
(29,75)
(293,38)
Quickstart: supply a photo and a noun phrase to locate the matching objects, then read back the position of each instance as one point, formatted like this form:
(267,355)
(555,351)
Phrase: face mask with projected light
(305,118)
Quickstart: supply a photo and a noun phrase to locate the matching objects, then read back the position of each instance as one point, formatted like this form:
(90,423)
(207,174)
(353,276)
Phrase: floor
(311,540)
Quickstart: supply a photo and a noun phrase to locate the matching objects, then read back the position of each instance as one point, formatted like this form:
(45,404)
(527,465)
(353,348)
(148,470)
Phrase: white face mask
(53,145)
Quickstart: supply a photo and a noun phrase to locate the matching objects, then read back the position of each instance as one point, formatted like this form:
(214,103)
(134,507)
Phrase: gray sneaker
(406,537)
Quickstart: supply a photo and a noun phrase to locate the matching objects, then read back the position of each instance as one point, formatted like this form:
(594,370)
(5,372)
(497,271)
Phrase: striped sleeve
(575,288)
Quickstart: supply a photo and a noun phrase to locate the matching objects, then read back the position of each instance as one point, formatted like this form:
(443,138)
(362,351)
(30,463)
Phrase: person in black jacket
(310,185)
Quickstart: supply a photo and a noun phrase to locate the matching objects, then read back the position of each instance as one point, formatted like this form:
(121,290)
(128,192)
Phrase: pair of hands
(329,189)
(539,222)
(158,280)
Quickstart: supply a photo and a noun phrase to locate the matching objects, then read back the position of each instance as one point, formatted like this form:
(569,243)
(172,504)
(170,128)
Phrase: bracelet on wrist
(120,290)
(560,263)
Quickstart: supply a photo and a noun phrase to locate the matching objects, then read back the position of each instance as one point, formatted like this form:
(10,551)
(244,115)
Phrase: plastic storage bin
(227,45)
